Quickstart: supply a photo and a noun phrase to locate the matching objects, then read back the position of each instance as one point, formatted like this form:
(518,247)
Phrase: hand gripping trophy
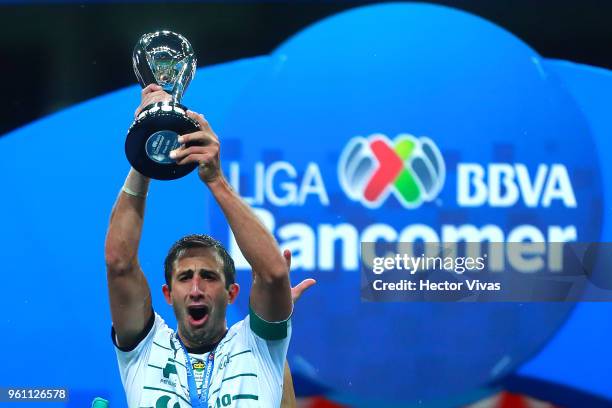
(167,59)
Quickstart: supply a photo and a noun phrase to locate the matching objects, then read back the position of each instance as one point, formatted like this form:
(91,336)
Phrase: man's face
(199,295)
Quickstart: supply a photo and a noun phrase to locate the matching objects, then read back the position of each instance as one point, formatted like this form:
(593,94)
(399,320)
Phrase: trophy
(167,59)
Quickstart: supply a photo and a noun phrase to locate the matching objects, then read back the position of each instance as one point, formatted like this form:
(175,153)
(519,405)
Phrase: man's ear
(167,294)
(233,290)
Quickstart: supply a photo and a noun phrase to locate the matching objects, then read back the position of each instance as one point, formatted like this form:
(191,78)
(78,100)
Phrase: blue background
(302,103)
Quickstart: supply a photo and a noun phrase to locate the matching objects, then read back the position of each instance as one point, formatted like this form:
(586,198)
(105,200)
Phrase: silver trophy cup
(167,59)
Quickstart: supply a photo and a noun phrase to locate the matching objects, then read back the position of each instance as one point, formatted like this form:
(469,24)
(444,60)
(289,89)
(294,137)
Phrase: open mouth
(197,314)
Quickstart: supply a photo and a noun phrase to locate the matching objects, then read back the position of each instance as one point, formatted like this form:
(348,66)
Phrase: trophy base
(153,135)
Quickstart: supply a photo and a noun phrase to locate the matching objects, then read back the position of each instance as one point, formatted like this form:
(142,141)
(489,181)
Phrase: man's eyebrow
(203,270)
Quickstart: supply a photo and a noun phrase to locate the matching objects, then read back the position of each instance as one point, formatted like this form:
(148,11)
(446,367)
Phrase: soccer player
(202,363)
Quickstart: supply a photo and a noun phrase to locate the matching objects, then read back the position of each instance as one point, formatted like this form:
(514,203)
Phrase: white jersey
(248,367)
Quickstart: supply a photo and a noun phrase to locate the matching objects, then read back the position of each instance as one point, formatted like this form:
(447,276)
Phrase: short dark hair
(199,241)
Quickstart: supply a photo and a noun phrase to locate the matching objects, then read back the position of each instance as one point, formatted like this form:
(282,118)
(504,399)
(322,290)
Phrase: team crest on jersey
(198,365)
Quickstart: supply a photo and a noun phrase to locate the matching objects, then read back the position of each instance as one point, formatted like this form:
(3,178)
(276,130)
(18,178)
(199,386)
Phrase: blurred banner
(391,122)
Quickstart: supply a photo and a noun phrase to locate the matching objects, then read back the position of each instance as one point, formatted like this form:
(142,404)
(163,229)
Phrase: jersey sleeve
(272,338)
(133,360)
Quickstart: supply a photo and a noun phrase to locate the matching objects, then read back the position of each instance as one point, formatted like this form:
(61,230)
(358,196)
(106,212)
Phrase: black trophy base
(153,135)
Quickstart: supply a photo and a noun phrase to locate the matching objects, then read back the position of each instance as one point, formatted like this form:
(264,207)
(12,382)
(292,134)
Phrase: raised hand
(300,288)
(152,93)
(200,147)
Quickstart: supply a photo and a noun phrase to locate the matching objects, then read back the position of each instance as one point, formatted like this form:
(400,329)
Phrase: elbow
(117,268)
(117,263)
(275,275)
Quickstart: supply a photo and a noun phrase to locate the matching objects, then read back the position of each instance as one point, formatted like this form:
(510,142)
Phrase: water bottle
(99,403)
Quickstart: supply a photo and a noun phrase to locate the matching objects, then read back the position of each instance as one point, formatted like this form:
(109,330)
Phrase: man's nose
(195,290)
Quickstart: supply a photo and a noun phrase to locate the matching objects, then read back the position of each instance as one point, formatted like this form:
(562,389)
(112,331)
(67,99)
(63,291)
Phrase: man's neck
(203,345)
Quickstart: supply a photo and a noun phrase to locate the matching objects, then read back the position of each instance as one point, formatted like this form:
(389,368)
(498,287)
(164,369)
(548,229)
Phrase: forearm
(125,228)
(257,244)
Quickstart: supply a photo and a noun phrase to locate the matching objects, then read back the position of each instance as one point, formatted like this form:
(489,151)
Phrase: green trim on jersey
(164,347)
(154,366)
(268,330)
(245,396)
(231,378)
(242,352)
(240,375)
(177,362)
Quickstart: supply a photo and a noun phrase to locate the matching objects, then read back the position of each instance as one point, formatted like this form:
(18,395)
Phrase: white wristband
(133,193)
(136,184)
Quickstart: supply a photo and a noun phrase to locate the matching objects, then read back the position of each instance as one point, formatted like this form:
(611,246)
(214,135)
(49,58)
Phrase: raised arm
(271,290)
(129,293)
(128,290)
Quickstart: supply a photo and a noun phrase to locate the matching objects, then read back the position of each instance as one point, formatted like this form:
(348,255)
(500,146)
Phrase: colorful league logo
(371,168)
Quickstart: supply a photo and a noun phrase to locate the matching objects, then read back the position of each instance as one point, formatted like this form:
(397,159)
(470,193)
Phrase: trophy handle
(141,67)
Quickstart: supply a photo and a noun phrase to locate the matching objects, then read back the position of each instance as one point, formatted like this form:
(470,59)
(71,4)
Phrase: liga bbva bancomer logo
(369,169)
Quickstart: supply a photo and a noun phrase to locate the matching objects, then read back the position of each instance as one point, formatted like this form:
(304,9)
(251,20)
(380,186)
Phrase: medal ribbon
(200,401)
